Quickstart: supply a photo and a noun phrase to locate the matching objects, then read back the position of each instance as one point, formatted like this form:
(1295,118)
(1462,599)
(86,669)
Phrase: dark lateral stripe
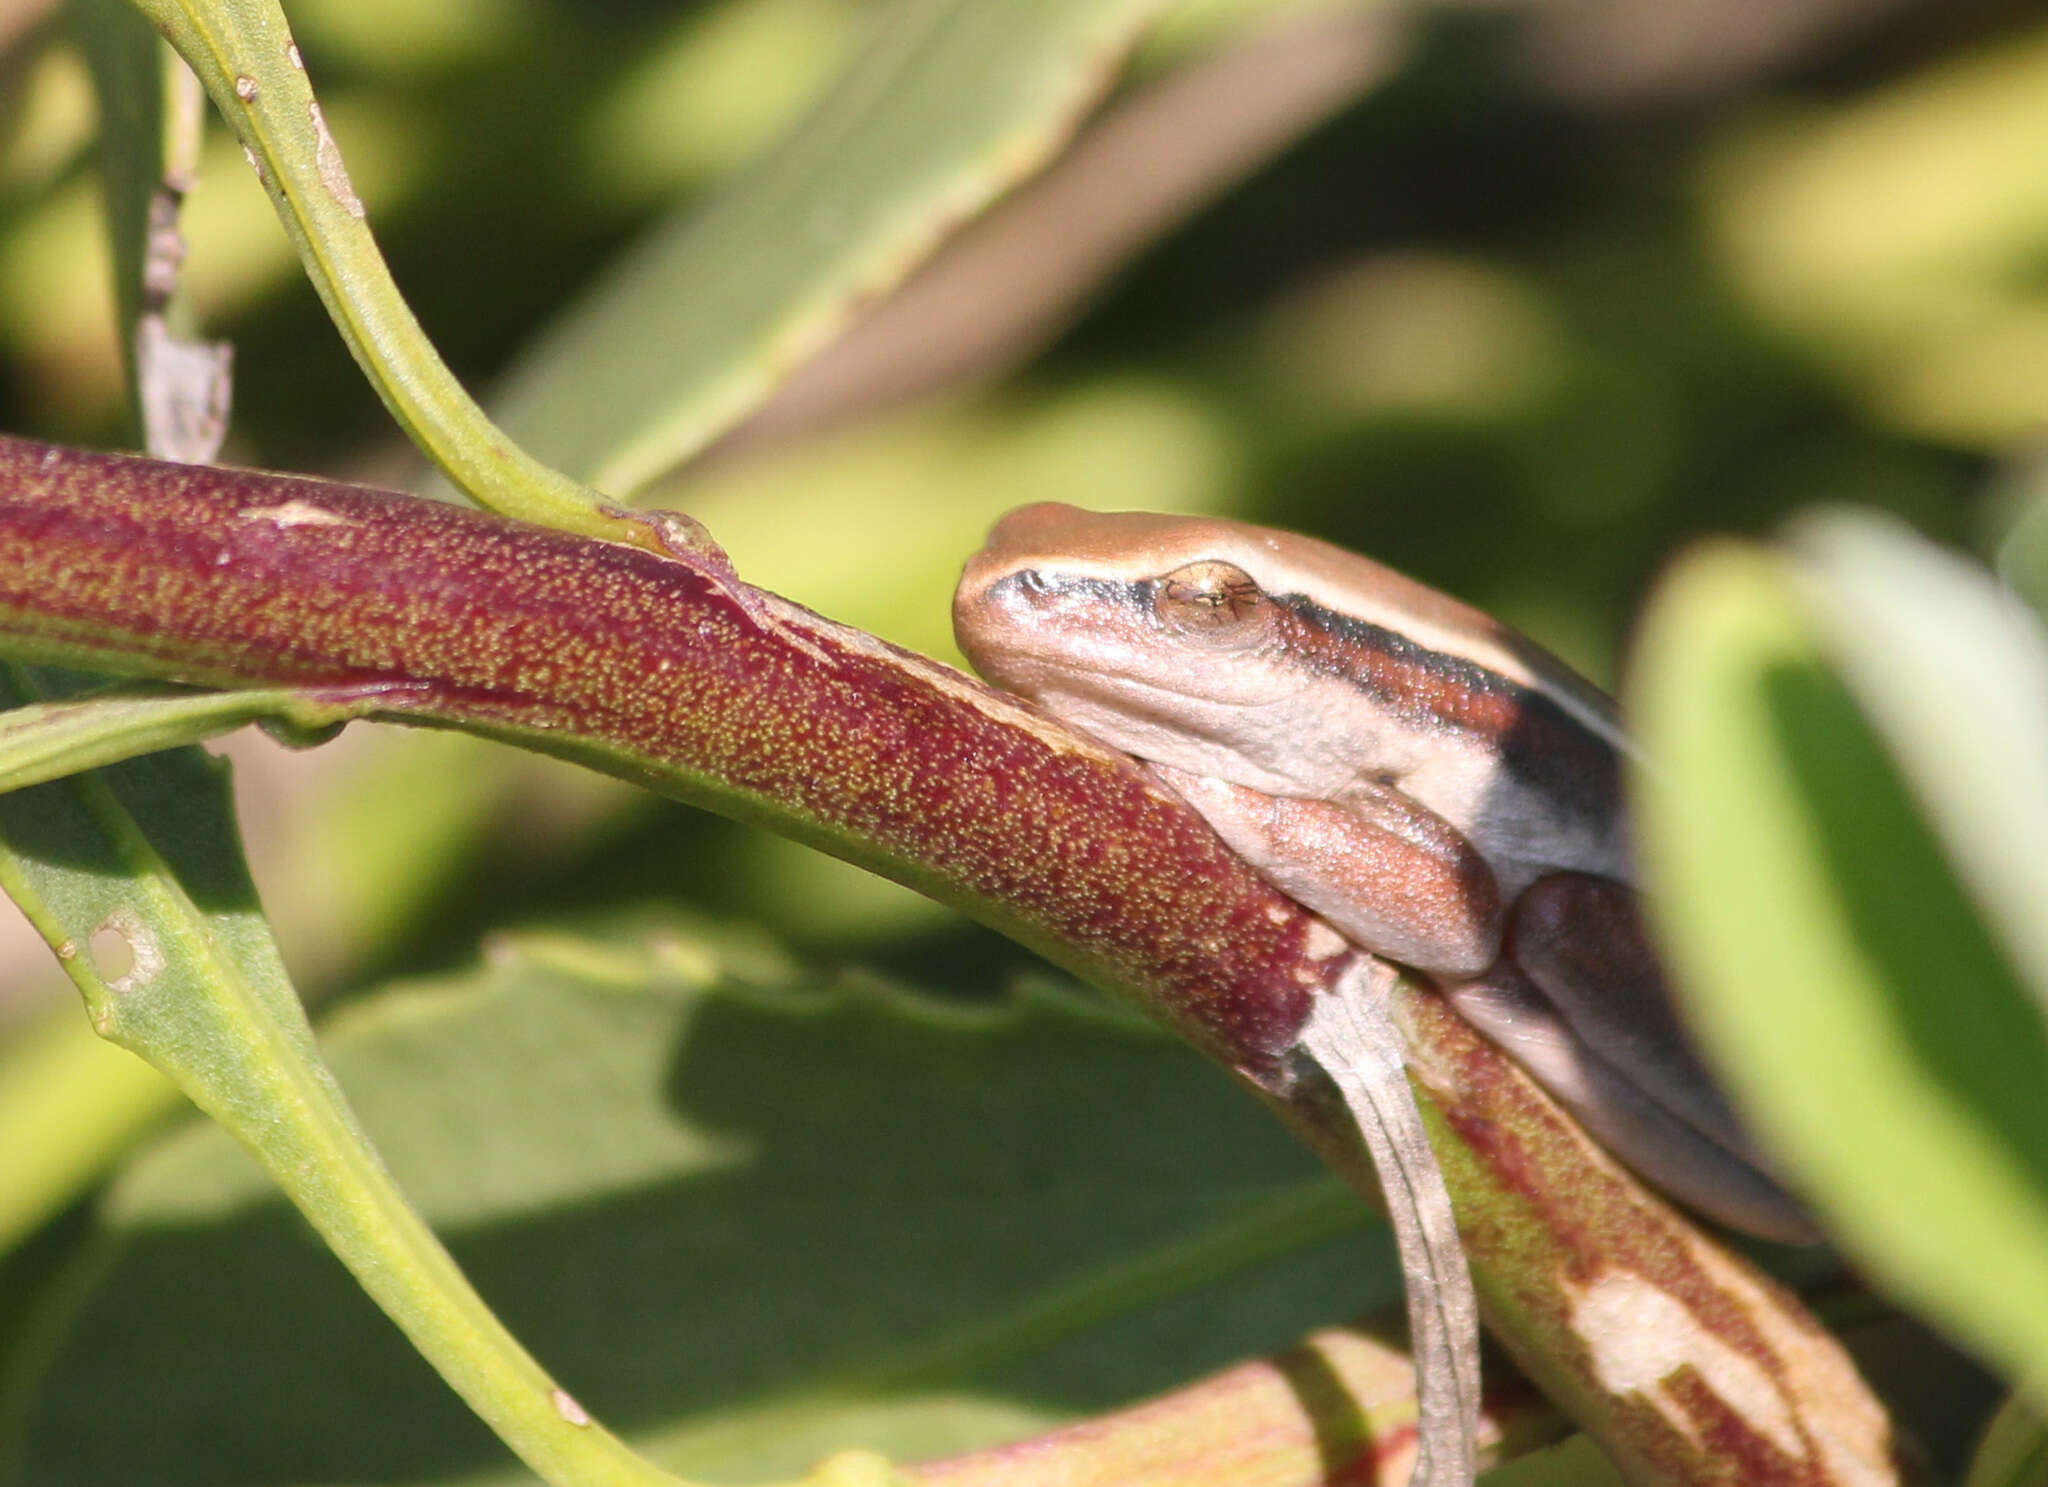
(1539,743)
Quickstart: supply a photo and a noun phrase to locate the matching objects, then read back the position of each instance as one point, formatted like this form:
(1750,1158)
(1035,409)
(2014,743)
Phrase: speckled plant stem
(1687,1364)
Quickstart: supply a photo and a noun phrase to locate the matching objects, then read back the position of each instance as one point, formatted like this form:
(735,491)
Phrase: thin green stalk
(49,740)
(243,52)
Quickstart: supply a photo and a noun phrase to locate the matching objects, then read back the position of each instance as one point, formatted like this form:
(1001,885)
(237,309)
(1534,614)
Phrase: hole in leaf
(112,956)
(124,952)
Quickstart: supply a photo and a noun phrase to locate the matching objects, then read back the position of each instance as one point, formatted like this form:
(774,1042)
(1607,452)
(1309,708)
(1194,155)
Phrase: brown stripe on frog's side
(1537,740)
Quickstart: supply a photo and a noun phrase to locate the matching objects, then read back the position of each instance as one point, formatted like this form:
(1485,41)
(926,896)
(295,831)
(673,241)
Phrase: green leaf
(1952,672)
(162,933)
(2014,1450)
(68,1104)
(1850,992)
(950,102)
(749,1218)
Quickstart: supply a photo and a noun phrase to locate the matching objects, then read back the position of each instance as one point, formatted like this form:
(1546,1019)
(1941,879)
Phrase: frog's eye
(1207,596)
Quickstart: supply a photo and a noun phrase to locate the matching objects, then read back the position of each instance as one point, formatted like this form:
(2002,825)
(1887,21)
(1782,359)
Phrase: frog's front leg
(1393,876)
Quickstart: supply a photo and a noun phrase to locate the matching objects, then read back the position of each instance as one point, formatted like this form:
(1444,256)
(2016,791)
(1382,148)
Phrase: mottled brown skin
(664,673)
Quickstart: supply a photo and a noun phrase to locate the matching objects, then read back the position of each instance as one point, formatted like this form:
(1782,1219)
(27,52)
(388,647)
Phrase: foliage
(754,1209)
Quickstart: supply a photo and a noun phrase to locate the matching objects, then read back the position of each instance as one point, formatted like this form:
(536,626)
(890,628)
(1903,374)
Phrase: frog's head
(1177,639)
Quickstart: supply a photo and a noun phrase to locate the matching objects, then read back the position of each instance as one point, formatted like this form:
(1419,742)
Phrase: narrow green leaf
(162,933)
(1847,988)
(49,740)
(950,102)
(68,1105)
(1952,671)
(753,1216)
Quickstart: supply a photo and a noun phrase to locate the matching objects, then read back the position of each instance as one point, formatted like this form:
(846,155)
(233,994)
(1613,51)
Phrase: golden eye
(1207,596)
